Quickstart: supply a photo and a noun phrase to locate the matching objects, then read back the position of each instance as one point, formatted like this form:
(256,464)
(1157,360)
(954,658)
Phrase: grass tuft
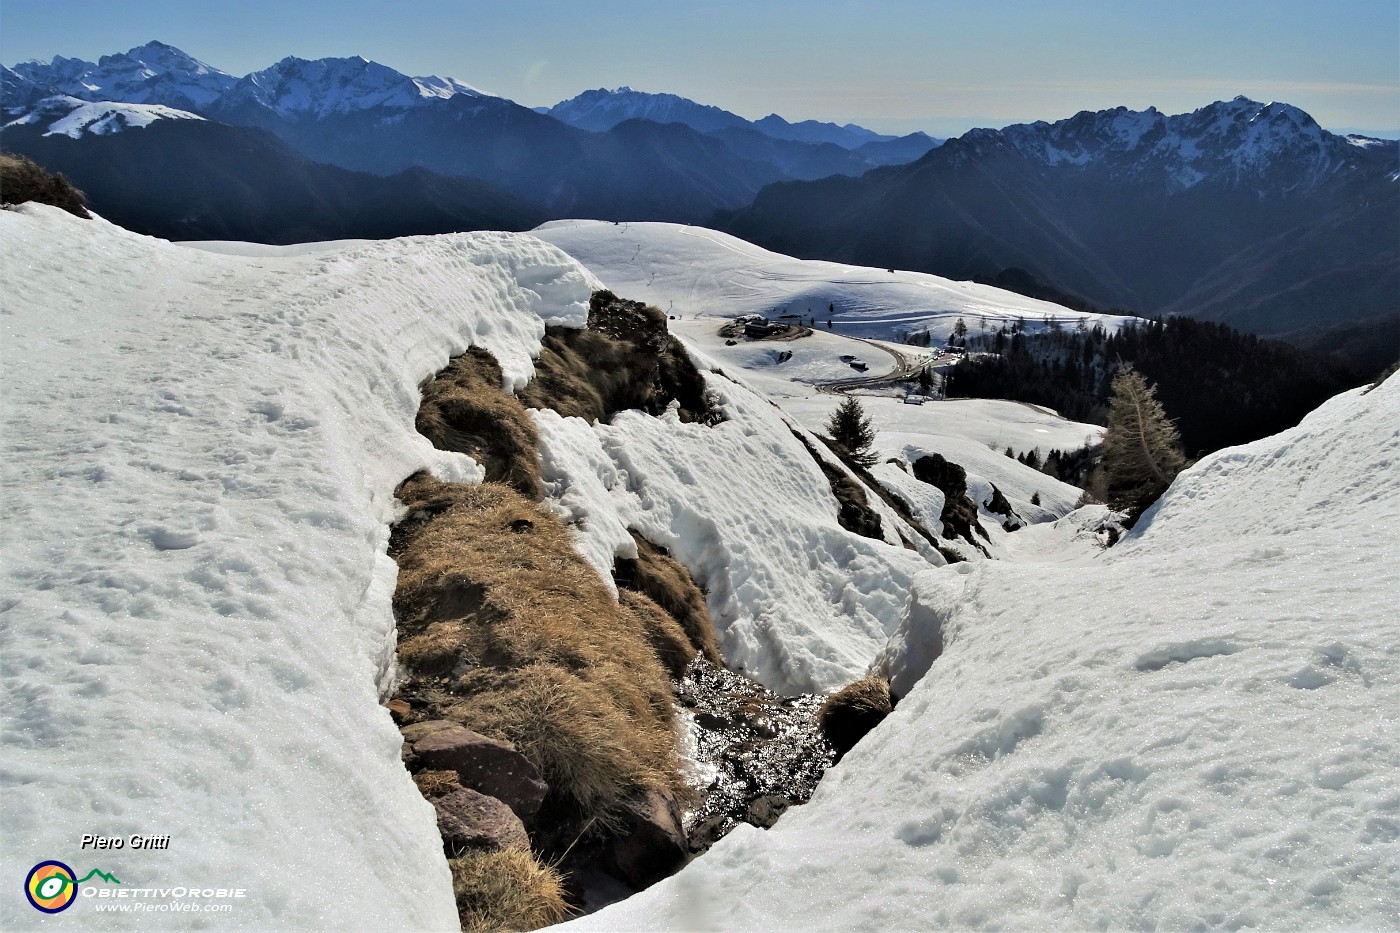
(506,890)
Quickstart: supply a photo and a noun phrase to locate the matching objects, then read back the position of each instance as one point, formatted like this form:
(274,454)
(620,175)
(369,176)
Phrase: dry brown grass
(466,409)
(506,890)
(851,712)
(660,577)
(623,359)
(492,593)
(434,784)
(22,179)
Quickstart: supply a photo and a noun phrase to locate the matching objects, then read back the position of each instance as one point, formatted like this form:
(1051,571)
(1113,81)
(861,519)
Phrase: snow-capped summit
(444,88)
(69,116)
(301,88)
(154,73)
(600,110)
(1230,141)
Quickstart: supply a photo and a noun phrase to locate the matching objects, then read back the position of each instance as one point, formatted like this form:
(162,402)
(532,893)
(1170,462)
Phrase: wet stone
(765,751)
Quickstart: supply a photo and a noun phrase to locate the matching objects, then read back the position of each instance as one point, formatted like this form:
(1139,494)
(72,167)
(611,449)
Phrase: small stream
(754,753)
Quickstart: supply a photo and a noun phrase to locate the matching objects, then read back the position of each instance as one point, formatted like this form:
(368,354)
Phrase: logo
(52,886)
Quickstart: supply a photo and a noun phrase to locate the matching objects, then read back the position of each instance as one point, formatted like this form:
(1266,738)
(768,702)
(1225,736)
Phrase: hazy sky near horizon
(893,65)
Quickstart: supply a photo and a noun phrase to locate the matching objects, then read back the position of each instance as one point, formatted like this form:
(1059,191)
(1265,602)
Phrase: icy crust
(1195,730)
(799,603)
(199,458)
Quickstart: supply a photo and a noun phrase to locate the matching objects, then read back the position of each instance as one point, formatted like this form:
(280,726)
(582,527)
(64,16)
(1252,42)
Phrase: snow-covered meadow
(200,448)
(1195,729)
(200,453)
(697,271)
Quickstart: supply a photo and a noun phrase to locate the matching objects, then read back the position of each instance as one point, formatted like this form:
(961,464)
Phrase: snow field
(200,452)
(199,460)
(1190,730)
(799,603)
(693,270)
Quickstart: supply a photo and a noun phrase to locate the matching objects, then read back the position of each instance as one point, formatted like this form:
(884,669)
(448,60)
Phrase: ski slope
(690,271)
(1193,730)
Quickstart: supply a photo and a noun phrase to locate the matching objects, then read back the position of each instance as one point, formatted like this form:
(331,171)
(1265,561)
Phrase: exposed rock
(959,512)
(484,764)
(654,845)
(998,504)
(469,820)
(421,730)
(399,710)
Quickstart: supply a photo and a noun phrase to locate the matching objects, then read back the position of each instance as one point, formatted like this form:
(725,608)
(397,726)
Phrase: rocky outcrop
(959,512)
(488,766)
(653,845)
(999,505)
(470,820)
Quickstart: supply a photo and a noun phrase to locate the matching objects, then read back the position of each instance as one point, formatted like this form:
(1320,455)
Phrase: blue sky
(894,65)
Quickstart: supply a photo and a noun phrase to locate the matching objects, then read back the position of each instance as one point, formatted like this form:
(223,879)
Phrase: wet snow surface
(1195,729)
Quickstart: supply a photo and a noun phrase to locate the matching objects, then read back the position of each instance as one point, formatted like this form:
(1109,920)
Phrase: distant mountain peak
(299,87)
(1230,141)
(600,109)
(154,73)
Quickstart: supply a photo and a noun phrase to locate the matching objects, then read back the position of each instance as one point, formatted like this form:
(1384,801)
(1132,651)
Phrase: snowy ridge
(694,270)
(72,117)
(199,471)
(601,109)
(1190,731)
(296,87)
(202,449)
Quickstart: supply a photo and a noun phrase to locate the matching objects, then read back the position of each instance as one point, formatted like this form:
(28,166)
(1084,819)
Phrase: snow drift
(199,465)
(1195,729)
(200,453)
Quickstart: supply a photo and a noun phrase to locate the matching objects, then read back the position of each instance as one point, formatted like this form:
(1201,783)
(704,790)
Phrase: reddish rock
(420,730)
(487,765)
(654,845)
(399,710)
(468,820)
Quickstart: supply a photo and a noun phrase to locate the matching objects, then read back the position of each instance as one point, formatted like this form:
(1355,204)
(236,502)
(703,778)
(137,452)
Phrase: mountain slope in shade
(201,180)
(1242,212)
(806,150)
(849,136)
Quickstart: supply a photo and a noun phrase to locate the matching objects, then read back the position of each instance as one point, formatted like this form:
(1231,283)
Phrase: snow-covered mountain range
(1239,211)
(602,109)
(154,73)
(660,157)
(1238,142)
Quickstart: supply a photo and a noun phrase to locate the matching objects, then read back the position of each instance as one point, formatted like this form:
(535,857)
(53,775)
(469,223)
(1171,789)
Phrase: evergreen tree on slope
(1141,448)
(851,430)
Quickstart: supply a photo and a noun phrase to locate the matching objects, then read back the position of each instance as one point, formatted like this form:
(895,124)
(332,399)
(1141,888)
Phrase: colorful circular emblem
(51,887)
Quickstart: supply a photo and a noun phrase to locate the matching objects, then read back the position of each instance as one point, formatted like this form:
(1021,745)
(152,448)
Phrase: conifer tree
(1141,448)
(850,428)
